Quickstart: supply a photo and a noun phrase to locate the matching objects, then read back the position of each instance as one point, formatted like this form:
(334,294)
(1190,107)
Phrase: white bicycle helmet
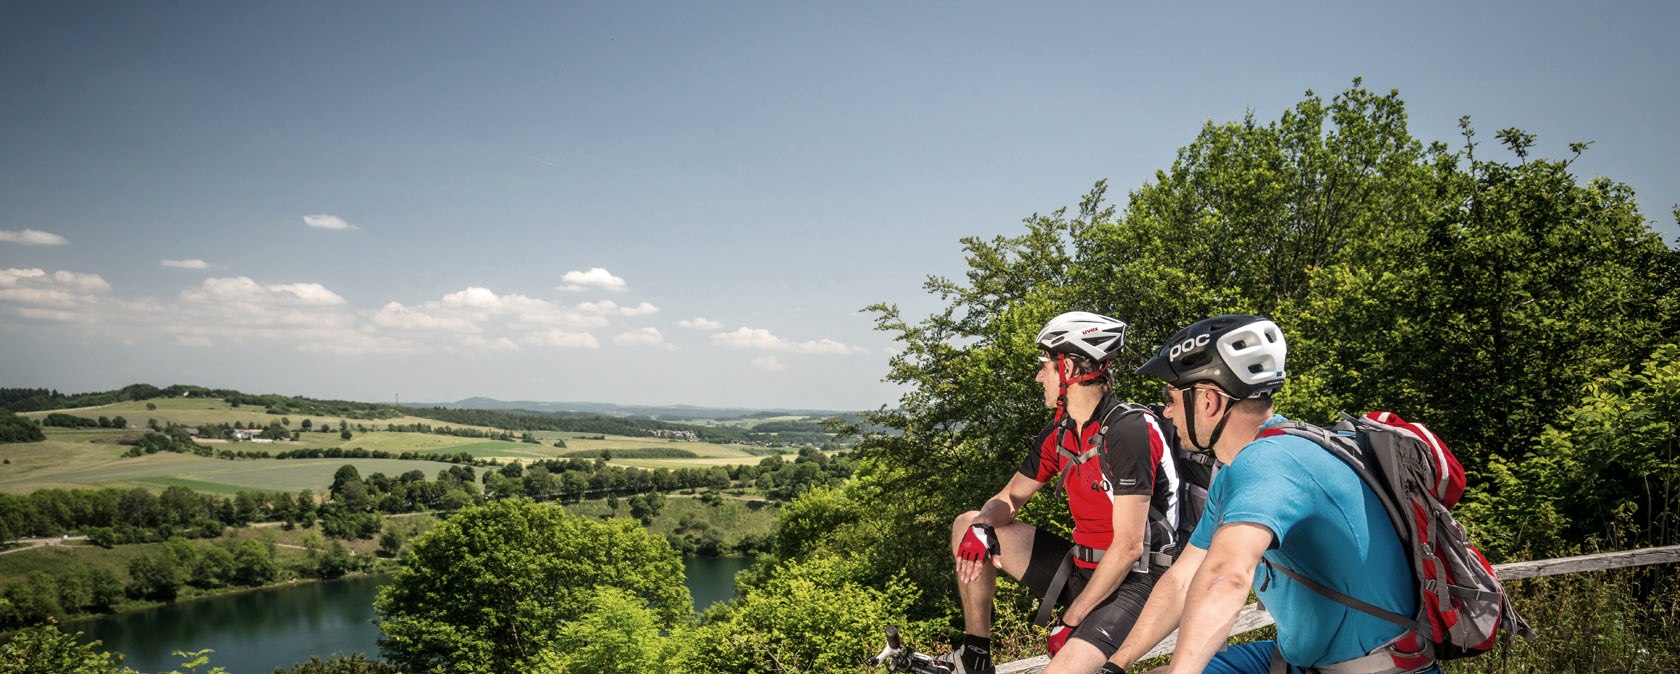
(1081,333)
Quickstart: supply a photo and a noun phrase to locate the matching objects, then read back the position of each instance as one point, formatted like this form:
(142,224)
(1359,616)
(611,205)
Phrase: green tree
(391,541)
(253,563)
(489,588)
(153,576)
(817,615)
(616,635)
(48,649)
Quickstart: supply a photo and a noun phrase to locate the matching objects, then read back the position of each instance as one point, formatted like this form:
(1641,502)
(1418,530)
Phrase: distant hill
(670,412)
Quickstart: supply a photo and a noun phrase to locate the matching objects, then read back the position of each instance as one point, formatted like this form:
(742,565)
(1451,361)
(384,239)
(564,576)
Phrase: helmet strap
(1190,422)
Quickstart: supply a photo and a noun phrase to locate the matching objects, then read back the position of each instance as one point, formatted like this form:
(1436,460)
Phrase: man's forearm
(1110,572)
(1159,618)
(1216,596)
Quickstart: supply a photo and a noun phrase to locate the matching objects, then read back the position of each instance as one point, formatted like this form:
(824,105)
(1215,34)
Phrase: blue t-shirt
(1327,525)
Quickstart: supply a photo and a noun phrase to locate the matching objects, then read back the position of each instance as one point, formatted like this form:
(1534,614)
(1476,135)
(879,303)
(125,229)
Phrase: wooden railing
(1252,618)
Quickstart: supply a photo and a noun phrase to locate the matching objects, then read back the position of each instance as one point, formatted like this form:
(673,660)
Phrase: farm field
(68,461)
(91,457)
(194,411)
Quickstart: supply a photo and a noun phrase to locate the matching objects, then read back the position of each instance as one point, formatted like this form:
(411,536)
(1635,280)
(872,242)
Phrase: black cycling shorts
(1108,624)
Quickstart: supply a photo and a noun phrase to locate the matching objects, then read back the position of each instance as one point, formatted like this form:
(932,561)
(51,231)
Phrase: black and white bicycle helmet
(1242,354)
(1081,333)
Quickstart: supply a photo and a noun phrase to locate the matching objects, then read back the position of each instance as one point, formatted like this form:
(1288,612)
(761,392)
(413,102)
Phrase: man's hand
(977,545)
(1058,638)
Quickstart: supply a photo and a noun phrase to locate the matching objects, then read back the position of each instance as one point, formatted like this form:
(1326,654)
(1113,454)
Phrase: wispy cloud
(325,221)
(561,339)
(60,289)
(768,364)
(613,308)
(30,237)
(759,339)
(699,323)
(594,279)
(186,264)
(649,337)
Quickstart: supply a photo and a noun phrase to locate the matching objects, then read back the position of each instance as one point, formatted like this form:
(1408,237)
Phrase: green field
(194,411)
(90,458)
(68,461)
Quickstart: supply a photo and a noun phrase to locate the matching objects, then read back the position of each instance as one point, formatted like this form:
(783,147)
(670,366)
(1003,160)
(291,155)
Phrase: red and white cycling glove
(1058,638)
(978,543)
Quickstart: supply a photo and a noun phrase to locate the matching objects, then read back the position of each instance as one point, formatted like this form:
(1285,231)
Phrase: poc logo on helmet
(1186,345)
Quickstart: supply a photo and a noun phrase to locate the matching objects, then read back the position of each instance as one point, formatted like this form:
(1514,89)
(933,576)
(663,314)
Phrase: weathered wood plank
(1252,618)
(1598,562)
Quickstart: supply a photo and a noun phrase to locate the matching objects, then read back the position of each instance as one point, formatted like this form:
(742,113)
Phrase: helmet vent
(1239,345)
(1254,368)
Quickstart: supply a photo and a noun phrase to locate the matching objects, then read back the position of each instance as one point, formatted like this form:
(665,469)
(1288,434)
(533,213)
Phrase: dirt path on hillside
(32,543)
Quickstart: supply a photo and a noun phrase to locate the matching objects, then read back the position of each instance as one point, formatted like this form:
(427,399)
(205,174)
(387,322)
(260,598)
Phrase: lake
(254,632)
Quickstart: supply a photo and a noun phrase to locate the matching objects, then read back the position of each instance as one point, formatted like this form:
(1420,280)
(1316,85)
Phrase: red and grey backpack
(1462,607)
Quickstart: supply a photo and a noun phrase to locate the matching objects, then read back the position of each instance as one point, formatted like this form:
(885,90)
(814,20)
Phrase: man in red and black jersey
(1115,461)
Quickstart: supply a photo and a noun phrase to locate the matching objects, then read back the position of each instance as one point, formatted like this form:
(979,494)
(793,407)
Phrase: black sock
(976,652)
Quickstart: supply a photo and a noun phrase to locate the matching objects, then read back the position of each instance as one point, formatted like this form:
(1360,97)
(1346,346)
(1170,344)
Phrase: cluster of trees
(158,575)
(571,594)
(354,500)
(525,420)
(572,479)
(38,399)
(14,428)
(161,574)
(62,420)
(349,453)
(169,439)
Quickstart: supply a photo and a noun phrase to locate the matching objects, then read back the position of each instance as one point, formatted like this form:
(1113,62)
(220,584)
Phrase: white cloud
(759,339)
(186,264)
(768,364)
(699,323)
(482,304)
(562,339)
(30,237)
(596,278)
(60,289)
(237,289)
(642,337)
(396,316)
(497,344)
(325,221)
(47,314)
(611,307)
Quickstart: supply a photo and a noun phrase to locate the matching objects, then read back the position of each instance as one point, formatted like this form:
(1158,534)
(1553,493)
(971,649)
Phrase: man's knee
(960,526)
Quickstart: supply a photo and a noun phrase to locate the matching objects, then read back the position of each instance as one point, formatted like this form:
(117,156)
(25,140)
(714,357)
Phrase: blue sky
(661,202)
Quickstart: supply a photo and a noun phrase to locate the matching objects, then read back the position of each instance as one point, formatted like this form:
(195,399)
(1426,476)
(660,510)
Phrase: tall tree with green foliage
(49,649)
(1477,291)
(492,586)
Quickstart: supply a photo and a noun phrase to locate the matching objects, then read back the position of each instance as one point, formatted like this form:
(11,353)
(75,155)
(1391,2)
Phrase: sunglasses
(1166,391)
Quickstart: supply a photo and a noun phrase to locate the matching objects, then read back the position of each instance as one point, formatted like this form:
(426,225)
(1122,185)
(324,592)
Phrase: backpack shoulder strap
(1350,602)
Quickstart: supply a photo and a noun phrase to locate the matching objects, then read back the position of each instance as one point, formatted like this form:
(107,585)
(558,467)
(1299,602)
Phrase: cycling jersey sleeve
(1040,464)
(1132,449)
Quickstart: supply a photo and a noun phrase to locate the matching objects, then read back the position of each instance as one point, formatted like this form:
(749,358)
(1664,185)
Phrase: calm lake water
(254,632)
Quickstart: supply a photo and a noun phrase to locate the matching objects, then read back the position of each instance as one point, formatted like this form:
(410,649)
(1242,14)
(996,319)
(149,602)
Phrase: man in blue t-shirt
(1279,500)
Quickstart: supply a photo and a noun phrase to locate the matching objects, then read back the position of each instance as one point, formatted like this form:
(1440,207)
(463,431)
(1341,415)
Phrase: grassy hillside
(82,458)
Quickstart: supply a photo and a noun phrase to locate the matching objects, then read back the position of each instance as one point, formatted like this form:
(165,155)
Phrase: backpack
(1462,607)
(1195,472)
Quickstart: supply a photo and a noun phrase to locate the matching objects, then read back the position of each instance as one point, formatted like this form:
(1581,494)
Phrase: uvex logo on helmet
(1186,346)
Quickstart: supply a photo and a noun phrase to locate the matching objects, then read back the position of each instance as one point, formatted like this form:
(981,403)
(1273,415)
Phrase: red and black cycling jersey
(1135,460)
